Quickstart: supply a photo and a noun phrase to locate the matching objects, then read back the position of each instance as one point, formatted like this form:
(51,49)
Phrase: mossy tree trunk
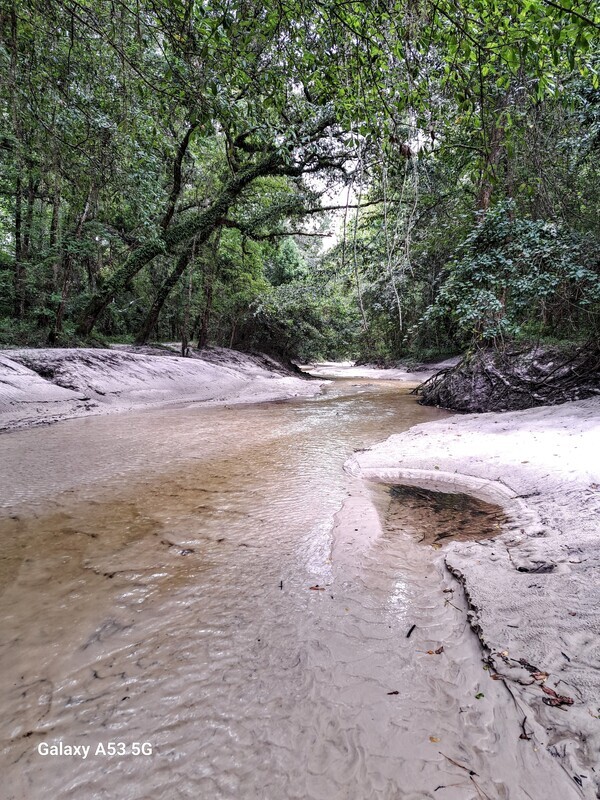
(199,225)
(165,290)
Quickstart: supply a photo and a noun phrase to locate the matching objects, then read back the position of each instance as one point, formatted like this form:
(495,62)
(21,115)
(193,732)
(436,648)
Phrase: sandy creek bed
(156,573)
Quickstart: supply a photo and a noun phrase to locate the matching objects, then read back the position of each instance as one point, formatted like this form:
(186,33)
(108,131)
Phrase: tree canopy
(170,168)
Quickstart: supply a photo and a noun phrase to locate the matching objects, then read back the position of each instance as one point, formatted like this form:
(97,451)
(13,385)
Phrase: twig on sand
(450,603)
(456,764)
(479,790)
(447,786)
(524,735)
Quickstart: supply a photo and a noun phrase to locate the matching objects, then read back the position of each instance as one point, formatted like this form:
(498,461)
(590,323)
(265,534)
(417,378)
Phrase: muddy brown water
(436,518)
(155,585)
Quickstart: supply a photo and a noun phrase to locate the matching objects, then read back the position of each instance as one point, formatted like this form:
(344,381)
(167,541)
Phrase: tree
(131,134)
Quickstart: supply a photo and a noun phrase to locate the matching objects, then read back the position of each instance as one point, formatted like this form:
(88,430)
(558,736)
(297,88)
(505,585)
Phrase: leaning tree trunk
(165,290)
(19,276)
(209,279)
(19,270)
(54,233)
(210,274)
(200,225)
(68,268)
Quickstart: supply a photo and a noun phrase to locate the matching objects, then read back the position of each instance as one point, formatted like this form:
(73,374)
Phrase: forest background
(374,180)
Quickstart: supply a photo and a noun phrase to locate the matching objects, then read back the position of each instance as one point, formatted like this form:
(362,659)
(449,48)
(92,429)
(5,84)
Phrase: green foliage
(162,151)
(287,264)
(305,322)
(514,276)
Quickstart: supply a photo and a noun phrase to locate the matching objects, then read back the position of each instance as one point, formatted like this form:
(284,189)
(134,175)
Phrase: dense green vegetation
(170,170)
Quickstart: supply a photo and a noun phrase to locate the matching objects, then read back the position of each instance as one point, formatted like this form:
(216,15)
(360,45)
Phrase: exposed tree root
(514,379)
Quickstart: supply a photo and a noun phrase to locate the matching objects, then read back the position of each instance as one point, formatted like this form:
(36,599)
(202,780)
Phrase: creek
(169,579)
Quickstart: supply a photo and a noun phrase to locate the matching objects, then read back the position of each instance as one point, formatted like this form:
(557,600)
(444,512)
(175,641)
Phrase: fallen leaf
(479,695)
(540,676)
(317,588)
(555,699)
(551,701)
(434,739)
(528,667)
(439,650)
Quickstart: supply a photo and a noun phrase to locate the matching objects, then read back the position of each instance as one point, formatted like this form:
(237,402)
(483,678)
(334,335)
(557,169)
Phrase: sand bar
(534,591)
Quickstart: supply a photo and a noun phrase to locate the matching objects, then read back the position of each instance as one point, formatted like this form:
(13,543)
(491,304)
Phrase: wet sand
(534,591)
(209,581)
(157,588)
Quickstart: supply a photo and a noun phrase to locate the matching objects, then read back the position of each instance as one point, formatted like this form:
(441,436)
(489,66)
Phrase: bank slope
(47,385)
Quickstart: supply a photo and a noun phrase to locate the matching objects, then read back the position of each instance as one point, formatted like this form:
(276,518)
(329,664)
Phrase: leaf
(434,739)
(555,699)
(540,676)
(479,695)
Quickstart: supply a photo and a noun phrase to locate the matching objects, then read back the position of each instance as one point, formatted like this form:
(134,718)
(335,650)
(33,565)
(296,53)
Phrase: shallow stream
(167,578)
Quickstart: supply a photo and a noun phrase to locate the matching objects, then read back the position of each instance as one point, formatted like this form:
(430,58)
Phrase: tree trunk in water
(165,290)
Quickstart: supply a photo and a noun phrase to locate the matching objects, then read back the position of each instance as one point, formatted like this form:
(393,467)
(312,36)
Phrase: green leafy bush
(516,277)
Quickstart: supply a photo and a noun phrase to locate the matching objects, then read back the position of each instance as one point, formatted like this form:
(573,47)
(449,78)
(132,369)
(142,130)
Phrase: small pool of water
(436,518)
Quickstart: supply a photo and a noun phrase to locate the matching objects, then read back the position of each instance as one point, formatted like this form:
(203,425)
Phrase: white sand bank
(47,385)
(348,369)
(534,591)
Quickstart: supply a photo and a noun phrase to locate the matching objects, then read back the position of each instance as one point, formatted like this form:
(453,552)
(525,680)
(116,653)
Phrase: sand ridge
(39,386)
